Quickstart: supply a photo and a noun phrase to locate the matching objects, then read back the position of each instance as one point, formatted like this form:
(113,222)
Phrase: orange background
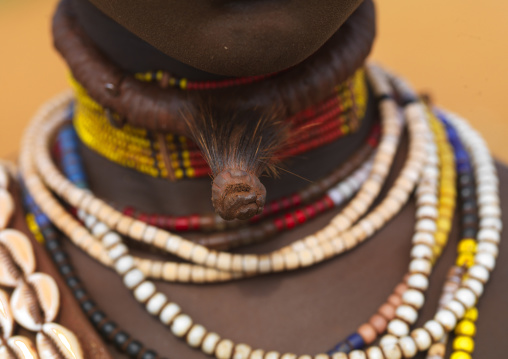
(455,49)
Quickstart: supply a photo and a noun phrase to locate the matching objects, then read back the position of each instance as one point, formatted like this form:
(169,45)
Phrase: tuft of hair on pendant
(239,146)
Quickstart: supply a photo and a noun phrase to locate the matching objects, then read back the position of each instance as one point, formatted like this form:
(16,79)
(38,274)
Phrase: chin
(233,38)
(255,49)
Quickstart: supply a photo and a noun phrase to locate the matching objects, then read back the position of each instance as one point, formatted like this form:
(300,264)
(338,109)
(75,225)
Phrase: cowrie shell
(36,301)
(6,207)
(58,342)
(16,253)
(6,318)
(22,347)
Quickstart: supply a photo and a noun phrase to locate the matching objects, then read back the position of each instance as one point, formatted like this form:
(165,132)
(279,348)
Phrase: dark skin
(304,311)
(232,38)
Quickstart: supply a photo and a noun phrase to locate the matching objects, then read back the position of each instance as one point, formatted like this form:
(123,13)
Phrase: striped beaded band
(341,235)
(67,154)
(136,148)
(335,196)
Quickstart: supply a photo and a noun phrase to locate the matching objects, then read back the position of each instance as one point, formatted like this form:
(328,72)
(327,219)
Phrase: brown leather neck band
(149,106)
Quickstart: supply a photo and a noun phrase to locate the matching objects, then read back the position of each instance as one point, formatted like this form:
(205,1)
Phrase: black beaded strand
(106,327)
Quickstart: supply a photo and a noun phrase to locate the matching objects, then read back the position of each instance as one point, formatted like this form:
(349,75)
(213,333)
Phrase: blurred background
(456,50)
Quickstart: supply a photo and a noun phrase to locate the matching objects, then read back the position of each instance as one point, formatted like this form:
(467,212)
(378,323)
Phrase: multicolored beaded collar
(139,149)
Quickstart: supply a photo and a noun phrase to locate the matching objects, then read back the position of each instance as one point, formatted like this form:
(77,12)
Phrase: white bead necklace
(390,346)
(334,239)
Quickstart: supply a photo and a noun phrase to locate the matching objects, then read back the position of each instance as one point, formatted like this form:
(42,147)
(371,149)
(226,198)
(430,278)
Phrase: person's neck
(127,187)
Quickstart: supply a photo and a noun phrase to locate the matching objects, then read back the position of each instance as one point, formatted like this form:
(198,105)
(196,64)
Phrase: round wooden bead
(133,278)
(428,199)
(368,333)
(423,238)
(437,350)
(422,339)
(242,351)
(420,266)
(489,235)
(169,313)
(156,303)
(398,328)
(435,329)
(414,298)
(209,343)
(485,259)
(257,354)
(427,212)
(466,297)
(479,272)
(395,300)
(124,264)
(401,288)
(407,313)
(446,318)
(374,353)
(181,325)
(144,291)
(224,349)
(408,347)
(387,310)
(99,229)
(379,323)
(426,225)
(475,285)
(488,247)
(491,223)
(388,339)
(421,251)
(289,356)
(392,351)
(117,251)
(418,281)
(456,308)
(357,354)
(272,355)
(490,211)
(90,221)
(196,335)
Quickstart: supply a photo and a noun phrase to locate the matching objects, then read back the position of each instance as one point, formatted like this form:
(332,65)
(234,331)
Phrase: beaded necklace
(41,227)
(334,197)
(339,236)
(335,187)
(136,148)
(390,346)
(463,344)
(356,341)
(367,332)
